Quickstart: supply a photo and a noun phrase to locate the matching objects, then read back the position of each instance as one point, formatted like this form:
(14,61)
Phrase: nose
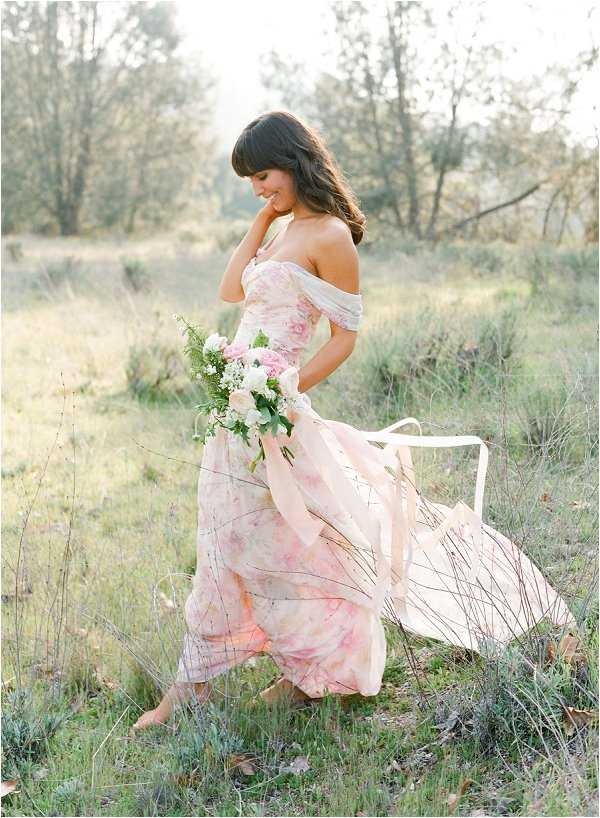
(257,187)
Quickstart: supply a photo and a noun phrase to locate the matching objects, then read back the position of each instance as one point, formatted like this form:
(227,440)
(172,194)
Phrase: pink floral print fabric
(314,609)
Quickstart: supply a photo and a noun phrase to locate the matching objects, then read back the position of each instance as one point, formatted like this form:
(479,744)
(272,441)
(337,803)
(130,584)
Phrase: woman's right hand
(269,214)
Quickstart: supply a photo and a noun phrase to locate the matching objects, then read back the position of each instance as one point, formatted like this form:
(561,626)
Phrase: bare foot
(178,693)
(281,689)
(149,718)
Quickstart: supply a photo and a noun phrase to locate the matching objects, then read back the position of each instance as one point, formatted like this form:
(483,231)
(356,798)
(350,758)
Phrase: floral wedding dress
(304,561)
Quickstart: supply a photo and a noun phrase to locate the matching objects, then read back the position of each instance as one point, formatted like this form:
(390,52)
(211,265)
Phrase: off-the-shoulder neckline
(306,272)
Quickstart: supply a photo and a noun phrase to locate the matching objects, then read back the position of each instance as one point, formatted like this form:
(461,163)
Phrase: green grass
(99,510)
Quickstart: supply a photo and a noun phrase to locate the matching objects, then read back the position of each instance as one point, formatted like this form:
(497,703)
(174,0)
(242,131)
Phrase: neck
(300,211)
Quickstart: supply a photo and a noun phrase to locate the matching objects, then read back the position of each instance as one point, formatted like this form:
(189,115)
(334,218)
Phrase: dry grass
(99,507)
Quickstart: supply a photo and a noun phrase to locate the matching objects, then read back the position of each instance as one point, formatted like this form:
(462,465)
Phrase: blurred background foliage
(107,127)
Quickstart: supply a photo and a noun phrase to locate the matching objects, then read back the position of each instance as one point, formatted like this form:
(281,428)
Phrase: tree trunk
(406,126)
(369,84)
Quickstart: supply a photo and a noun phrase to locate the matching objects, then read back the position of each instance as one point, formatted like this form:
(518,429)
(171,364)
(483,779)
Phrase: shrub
(482,258)
(155,372)
(433,355)
(57,275)
(135,276)
(547,420)
(538,263)
(582,263)
(26,727)
(516,704)
(15,250)
(69,797)
(497,341)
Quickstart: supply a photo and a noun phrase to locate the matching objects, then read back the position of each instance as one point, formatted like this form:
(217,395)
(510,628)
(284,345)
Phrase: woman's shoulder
(334,254)
(331,234)
(333,227)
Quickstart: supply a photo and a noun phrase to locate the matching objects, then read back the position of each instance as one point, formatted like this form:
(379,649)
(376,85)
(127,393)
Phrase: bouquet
(250,388)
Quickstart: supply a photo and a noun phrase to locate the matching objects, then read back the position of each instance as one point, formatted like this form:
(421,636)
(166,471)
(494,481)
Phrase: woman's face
(275,183)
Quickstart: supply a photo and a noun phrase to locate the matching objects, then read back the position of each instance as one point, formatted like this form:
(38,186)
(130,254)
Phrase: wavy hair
(278,139)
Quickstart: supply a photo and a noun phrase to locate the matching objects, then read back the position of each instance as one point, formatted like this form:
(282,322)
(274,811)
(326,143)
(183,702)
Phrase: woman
(303,562)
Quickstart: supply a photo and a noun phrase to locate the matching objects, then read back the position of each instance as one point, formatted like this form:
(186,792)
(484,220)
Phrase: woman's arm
(328,358)
(230,288)
(335,257)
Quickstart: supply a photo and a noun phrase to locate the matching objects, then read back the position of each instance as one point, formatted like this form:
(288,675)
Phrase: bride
(304,562)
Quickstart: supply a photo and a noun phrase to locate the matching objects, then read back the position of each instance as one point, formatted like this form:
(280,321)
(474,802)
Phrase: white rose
(214,342)
(241,400)
(253,354)
(255,379)
(253,416)
(288,381)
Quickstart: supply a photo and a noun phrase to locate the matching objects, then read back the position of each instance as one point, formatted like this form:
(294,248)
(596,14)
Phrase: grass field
(99,475)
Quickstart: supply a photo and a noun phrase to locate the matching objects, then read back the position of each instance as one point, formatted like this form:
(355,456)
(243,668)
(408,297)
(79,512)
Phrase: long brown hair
(280,140)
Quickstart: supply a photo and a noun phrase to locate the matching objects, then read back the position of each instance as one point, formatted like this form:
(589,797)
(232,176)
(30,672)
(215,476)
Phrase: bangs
(251,154)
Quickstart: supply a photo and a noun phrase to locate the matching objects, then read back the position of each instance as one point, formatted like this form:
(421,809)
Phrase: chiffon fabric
(305,561)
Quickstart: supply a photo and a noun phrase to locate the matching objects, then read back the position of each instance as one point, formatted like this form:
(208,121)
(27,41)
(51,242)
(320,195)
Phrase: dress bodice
(286,302)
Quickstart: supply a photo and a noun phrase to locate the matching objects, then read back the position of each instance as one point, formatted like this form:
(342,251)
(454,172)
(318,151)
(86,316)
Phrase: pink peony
(234,350)
(273,362)
(242,401)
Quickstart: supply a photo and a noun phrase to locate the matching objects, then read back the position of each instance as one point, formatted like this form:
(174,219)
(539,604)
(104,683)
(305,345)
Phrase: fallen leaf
(545,497)
(574,719)
(454,797)
(244,762)
(570,647)
(104,681)
(6,787)
(299,765)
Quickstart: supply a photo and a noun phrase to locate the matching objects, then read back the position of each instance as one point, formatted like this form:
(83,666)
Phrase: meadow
(99,474)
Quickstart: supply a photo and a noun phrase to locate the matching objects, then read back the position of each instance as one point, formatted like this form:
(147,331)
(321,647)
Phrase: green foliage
(516,704)
(58,274)
(155,373)
(261,340)
(68,798)
(483,258)
(582,262)
(548,420)
(99,173)
(135,275)
(433,355)
(27,725)
(161,798)
(210,739)
(14,250)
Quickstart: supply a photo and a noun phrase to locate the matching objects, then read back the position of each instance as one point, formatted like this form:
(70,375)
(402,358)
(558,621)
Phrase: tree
(420,113)
(98,104)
